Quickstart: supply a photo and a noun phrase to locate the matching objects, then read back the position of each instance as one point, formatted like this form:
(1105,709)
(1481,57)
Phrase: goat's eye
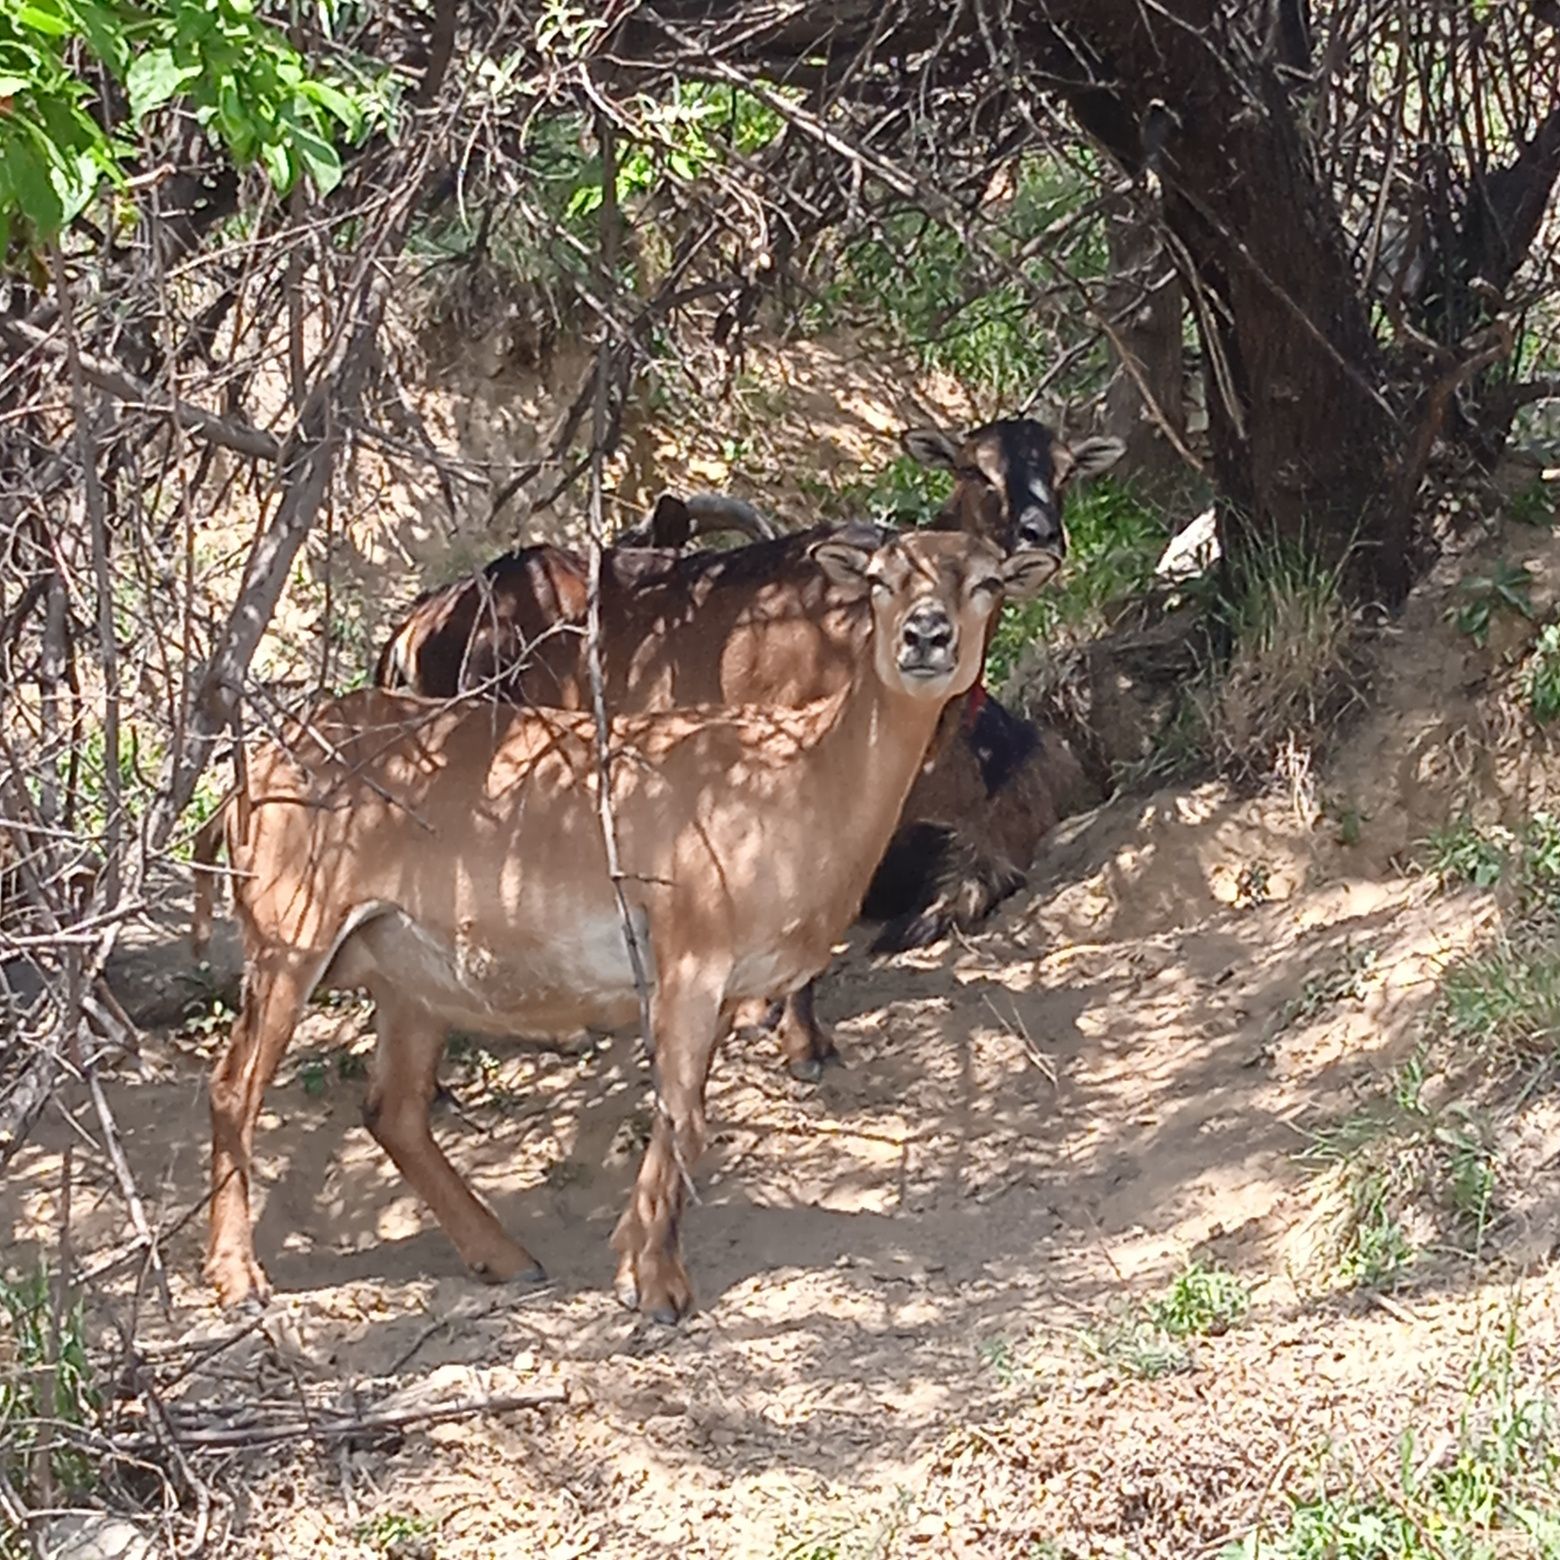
(971,474)
(990,585)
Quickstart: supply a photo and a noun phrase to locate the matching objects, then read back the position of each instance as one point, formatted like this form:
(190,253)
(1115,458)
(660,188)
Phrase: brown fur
(449,858)
(756,625)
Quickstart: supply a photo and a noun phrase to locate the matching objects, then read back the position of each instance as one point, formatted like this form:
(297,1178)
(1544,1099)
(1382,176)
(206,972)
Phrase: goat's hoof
(916,931)
(805,1069)
(666,1300)
(240,1283)
(510,1267)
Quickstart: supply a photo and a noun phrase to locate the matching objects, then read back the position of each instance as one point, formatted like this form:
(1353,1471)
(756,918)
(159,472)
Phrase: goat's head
(933,596)
(1011,478)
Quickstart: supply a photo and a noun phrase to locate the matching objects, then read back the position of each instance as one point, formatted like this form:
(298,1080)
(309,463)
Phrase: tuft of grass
(1292,669)
(1136,1345)
(1405,1164)
(1505,999)
(1493,1491)
(46,1386)
(1202,1302)
(1367,1177)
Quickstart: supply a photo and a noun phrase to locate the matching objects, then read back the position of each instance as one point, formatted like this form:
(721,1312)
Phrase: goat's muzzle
(926,643)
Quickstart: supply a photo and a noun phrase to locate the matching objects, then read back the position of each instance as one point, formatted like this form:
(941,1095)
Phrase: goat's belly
(580,978)
(774,972)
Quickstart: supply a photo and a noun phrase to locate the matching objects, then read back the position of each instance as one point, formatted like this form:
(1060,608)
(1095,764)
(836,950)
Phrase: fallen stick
(239,1437)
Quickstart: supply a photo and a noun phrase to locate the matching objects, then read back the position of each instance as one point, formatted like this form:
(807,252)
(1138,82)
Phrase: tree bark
(1302,433)
(1145,300)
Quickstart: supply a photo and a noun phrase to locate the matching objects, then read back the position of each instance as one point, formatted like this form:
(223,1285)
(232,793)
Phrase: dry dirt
(905,1271)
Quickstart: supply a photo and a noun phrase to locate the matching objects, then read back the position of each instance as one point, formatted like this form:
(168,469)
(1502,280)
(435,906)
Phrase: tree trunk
(1303,437)
(1144,299)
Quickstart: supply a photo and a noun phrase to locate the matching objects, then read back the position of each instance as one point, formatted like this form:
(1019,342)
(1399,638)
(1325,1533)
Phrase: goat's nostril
(928,631)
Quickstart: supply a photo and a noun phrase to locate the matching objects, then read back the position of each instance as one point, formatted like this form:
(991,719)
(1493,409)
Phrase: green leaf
(319,158)
(11,85)
(337,104)
(35,191)
(42,21)
(278,164)
(153,79)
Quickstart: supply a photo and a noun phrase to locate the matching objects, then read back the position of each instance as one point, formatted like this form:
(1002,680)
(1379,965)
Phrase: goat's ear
(845,565)
(1092,456)
(671,525)
(930,447)
(1026,572)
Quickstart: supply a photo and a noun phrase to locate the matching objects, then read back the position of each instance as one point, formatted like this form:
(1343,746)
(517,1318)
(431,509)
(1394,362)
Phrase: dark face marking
(1020,464)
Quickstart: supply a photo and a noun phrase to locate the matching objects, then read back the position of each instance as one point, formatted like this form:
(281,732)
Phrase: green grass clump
(46,1387)
(1495,1492)
(1202,1302)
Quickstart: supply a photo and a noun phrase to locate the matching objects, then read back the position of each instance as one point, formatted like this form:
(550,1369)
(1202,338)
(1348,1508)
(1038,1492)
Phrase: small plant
(1253,884)
(1461,852)
(314,1074)
(1378,1251)
(398,1536)
(45,1383)
(207,1013)
(1371,1163)
(1541,676)
(1535,505)
(1507,587)
(1202,1302)
(999,1357)
(1138,1346)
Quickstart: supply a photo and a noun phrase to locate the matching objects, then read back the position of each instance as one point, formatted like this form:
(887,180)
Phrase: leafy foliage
(915,276)
(62,139)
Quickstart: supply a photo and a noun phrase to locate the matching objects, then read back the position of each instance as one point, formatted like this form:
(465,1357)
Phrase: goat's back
(754,625)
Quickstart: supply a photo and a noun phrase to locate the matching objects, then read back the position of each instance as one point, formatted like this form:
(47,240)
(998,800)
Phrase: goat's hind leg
(403,1086)
(274,992)
(805,1043)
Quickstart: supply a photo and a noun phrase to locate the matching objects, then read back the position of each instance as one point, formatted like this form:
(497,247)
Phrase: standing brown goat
(449,859)
(759,625)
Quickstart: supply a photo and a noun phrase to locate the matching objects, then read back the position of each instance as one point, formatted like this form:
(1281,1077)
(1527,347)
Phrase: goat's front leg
(686,1023)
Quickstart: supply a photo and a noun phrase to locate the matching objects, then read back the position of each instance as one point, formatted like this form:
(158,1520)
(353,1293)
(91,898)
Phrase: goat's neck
(875,743)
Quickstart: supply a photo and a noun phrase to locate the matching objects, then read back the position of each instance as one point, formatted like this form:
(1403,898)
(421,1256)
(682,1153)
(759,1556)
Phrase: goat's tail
(209,840)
